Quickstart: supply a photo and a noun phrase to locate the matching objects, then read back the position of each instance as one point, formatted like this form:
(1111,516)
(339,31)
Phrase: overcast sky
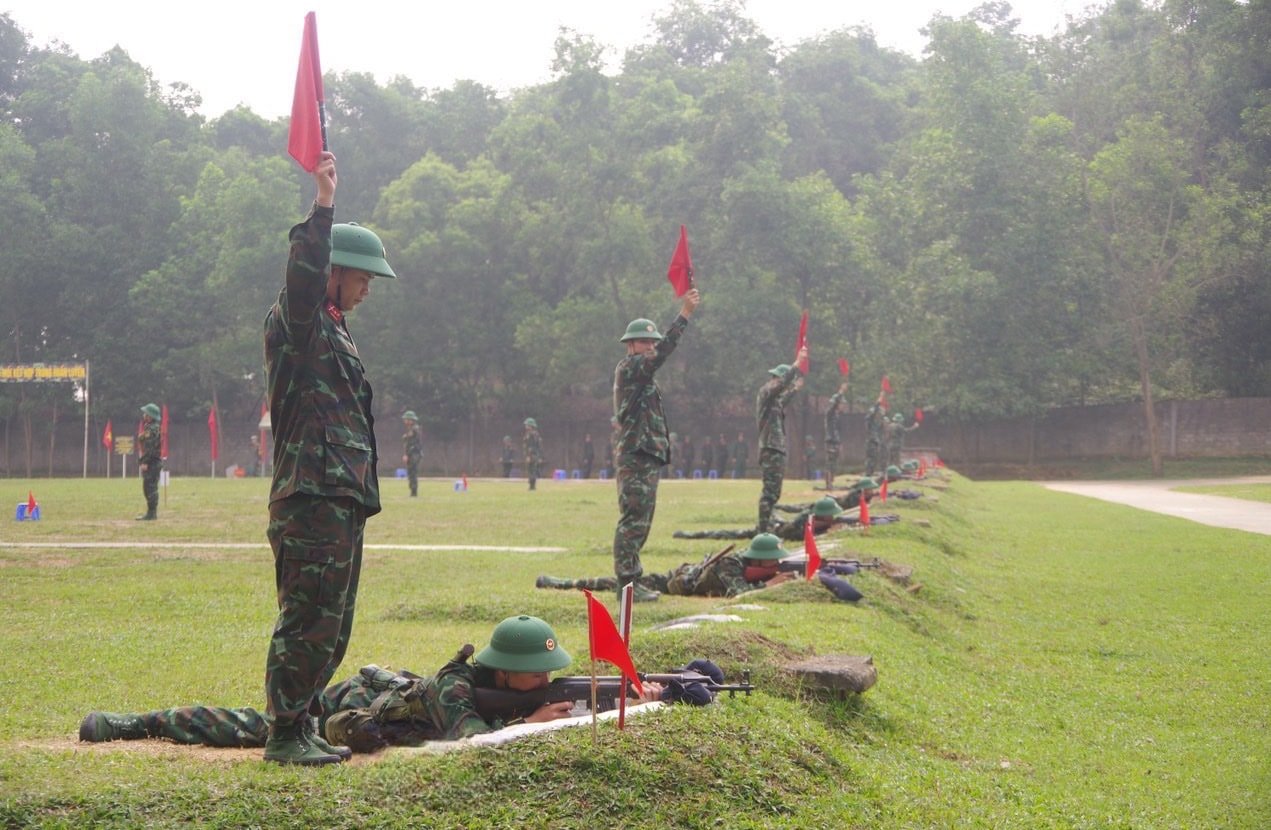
(245,51)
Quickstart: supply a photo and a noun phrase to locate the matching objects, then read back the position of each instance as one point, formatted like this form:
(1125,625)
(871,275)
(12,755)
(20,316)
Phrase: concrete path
(1160,497)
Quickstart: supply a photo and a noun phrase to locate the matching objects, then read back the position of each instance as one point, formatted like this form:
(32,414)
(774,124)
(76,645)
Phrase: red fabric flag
(922,467)
(809,547)
(844,366)
(212,432)
(606,643)
(30,503)
(882,491)
(163,433)
(918,415)
(307,137)
(680,272)
(803,341)
(108,437)
(864,510)
(465,482)
(886,385)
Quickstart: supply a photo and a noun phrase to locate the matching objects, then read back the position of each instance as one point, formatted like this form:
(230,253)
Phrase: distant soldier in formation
(833,437)
(687,456)
(721,455)
(507,456)
(875,436)
(532,444)
(412,450)
(809,457)
(708,456)
(741,452)
(149,460)
(589,456)
(770,413)
(896,437)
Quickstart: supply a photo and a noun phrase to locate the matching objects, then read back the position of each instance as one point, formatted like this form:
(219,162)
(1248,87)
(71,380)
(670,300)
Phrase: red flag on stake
(803,341)
(307,137)
(844,366)
(163,432)
(918,415)
(606,643)
(886,386)
(108,437)
(213,433)
(809,547)
(864,511)
(882,491)
(30,503)
(680,272)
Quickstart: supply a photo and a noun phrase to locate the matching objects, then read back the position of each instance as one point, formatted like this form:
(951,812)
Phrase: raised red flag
(307,137)
(680,272)
(844,366)
(864,510)
(809,547)
(918,415)
(886,387)
(606,643)
(30,503)
(108,437)
(213,433)
(163,432)
(802,341)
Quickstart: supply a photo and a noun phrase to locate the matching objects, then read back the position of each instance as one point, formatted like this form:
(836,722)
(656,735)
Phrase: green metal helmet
(780,371)
(826,508)
(894,472)
(911,464)
(152,410)
(353,246)
(530,422)
(865,483)
(898,418)
(641,329)
(409,415)
(526,644)
(765,546)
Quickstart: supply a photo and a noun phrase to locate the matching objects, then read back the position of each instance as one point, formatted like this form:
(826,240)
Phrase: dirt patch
(166,749)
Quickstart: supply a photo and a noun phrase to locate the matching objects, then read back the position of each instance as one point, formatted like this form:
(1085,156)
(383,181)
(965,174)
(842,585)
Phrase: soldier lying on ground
(722,574)
(865,486)
(377,707)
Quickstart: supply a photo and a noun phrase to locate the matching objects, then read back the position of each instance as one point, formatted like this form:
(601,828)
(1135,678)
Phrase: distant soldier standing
(532,444)
(149,461)
(325,485)
(741,451)
(770,413)
(644,442)
(507,456)
(589,455)
(896,438)
(412,450)
(833,438)
(875,436)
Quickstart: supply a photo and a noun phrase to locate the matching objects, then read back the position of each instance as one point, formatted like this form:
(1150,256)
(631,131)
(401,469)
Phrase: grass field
(1066,664)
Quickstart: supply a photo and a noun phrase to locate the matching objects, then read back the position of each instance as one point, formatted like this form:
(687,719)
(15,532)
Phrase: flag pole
(593,701)
(624,628)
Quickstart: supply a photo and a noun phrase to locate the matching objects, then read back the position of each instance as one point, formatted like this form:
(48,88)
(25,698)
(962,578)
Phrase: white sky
(246,51)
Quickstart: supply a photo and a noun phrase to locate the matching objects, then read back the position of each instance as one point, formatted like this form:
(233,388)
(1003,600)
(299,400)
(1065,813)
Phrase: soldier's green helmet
(894,472)
(865,483)
(898,418)
(780,371)
(526,644)
(765,546)
(641,329)
(911,464)
(409,415)
(152,410)
(826,508)
(530,422)
(353,246)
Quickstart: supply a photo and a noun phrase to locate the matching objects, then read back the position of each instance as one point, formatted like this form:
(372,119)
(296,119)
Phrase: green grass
(1104,469)
(1251,492)
(1066,664)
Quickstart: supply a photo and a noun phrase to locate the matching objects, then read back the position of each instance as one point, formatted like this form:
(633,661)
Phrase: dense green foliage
(1008,224)
(1065,664)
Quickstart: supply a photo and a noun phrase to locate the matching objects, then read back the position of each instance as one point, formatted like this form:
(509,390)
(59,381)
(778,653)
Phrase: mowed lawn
(1061,663)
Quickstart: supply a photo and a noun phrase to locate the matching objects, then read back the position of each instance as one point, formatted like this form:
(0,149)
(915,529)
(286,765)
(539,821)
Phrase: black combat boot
(288,745)
(110,726)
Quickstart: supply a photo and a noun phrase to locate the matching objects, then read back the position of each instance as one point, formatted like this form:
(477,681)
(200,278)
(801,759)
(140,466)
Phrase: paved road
(1159,497)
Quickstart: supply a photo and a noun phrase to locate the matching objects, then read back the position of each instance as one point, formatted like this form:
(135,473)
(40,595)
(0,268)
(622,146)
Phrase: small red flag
(809,547)
(844,366)
(108,437)
(918,415)
(307,137)
(886,385)
(30,503)
(882,491)
(606,643)
(465,482)
(213,434)
(163,432)
(803,341)
(680,272)
(864,510)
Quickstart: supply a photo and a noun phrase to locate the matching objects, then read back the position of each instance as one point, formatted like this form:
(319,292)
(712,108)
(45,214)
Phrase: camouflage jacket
(637,401)
(876,424)
(770,409)
(832,435)
(149,443)
(721,578)
(412,445)
(319,398)
(532,441)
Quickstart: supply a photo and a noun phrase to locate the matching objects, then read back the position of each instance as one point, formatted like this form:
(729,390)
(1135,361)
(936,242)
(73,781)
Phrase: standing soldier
(508,456)
(412,450)
(532,444)
(687,455)
(809,456)
(875,428)
(644,442)
(741,452)
(589,455)
(833,438)
(708,455)
(896,438)
(770,413)
(149,442)
(325,484)
(721,455)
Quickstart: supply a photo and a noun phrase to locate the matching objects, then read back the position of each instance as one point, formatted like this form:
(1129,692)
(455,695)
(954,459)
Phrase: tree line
(1005,225)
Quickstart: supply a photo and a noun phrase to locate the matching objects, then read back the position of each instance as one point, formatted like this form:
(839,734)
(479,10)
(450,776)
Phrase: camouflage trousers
(637,497)
(831,461)
(317,544)
(873,456)
(532,466)
(412,475)
(150,486)
(773,465)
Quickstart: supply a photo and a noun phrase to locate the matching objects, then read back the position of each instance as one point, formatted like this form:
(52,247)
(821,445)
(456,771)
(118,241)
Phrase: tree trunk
(1145,386)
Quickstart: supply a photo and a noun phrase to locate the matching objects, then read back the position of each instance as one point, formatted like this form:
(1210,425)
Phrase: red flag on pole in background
(163,432)
(680,272)
(918,415)
(307,137)
(802,342)
(606,643)
(108,437)
(809,547)
(844,366)
(213,433)
(886,386)
(864,510)
(882,491)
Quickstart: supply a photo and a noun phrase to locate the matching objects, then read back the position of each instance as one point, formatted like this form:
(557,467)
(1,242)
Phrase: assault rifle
(511,705)
(841,567)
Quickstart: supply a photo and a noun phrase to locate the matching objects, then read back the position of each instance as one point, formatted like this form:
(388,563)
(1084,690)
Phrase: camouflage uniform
(413,449)
(643,447)
(833,438)
(324,485)
(896,441)
(721,578)
(589,457)
(790,530)
(740,453)
(875,424)
(149,443)
(532,442)
(770,412)
(508,457)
